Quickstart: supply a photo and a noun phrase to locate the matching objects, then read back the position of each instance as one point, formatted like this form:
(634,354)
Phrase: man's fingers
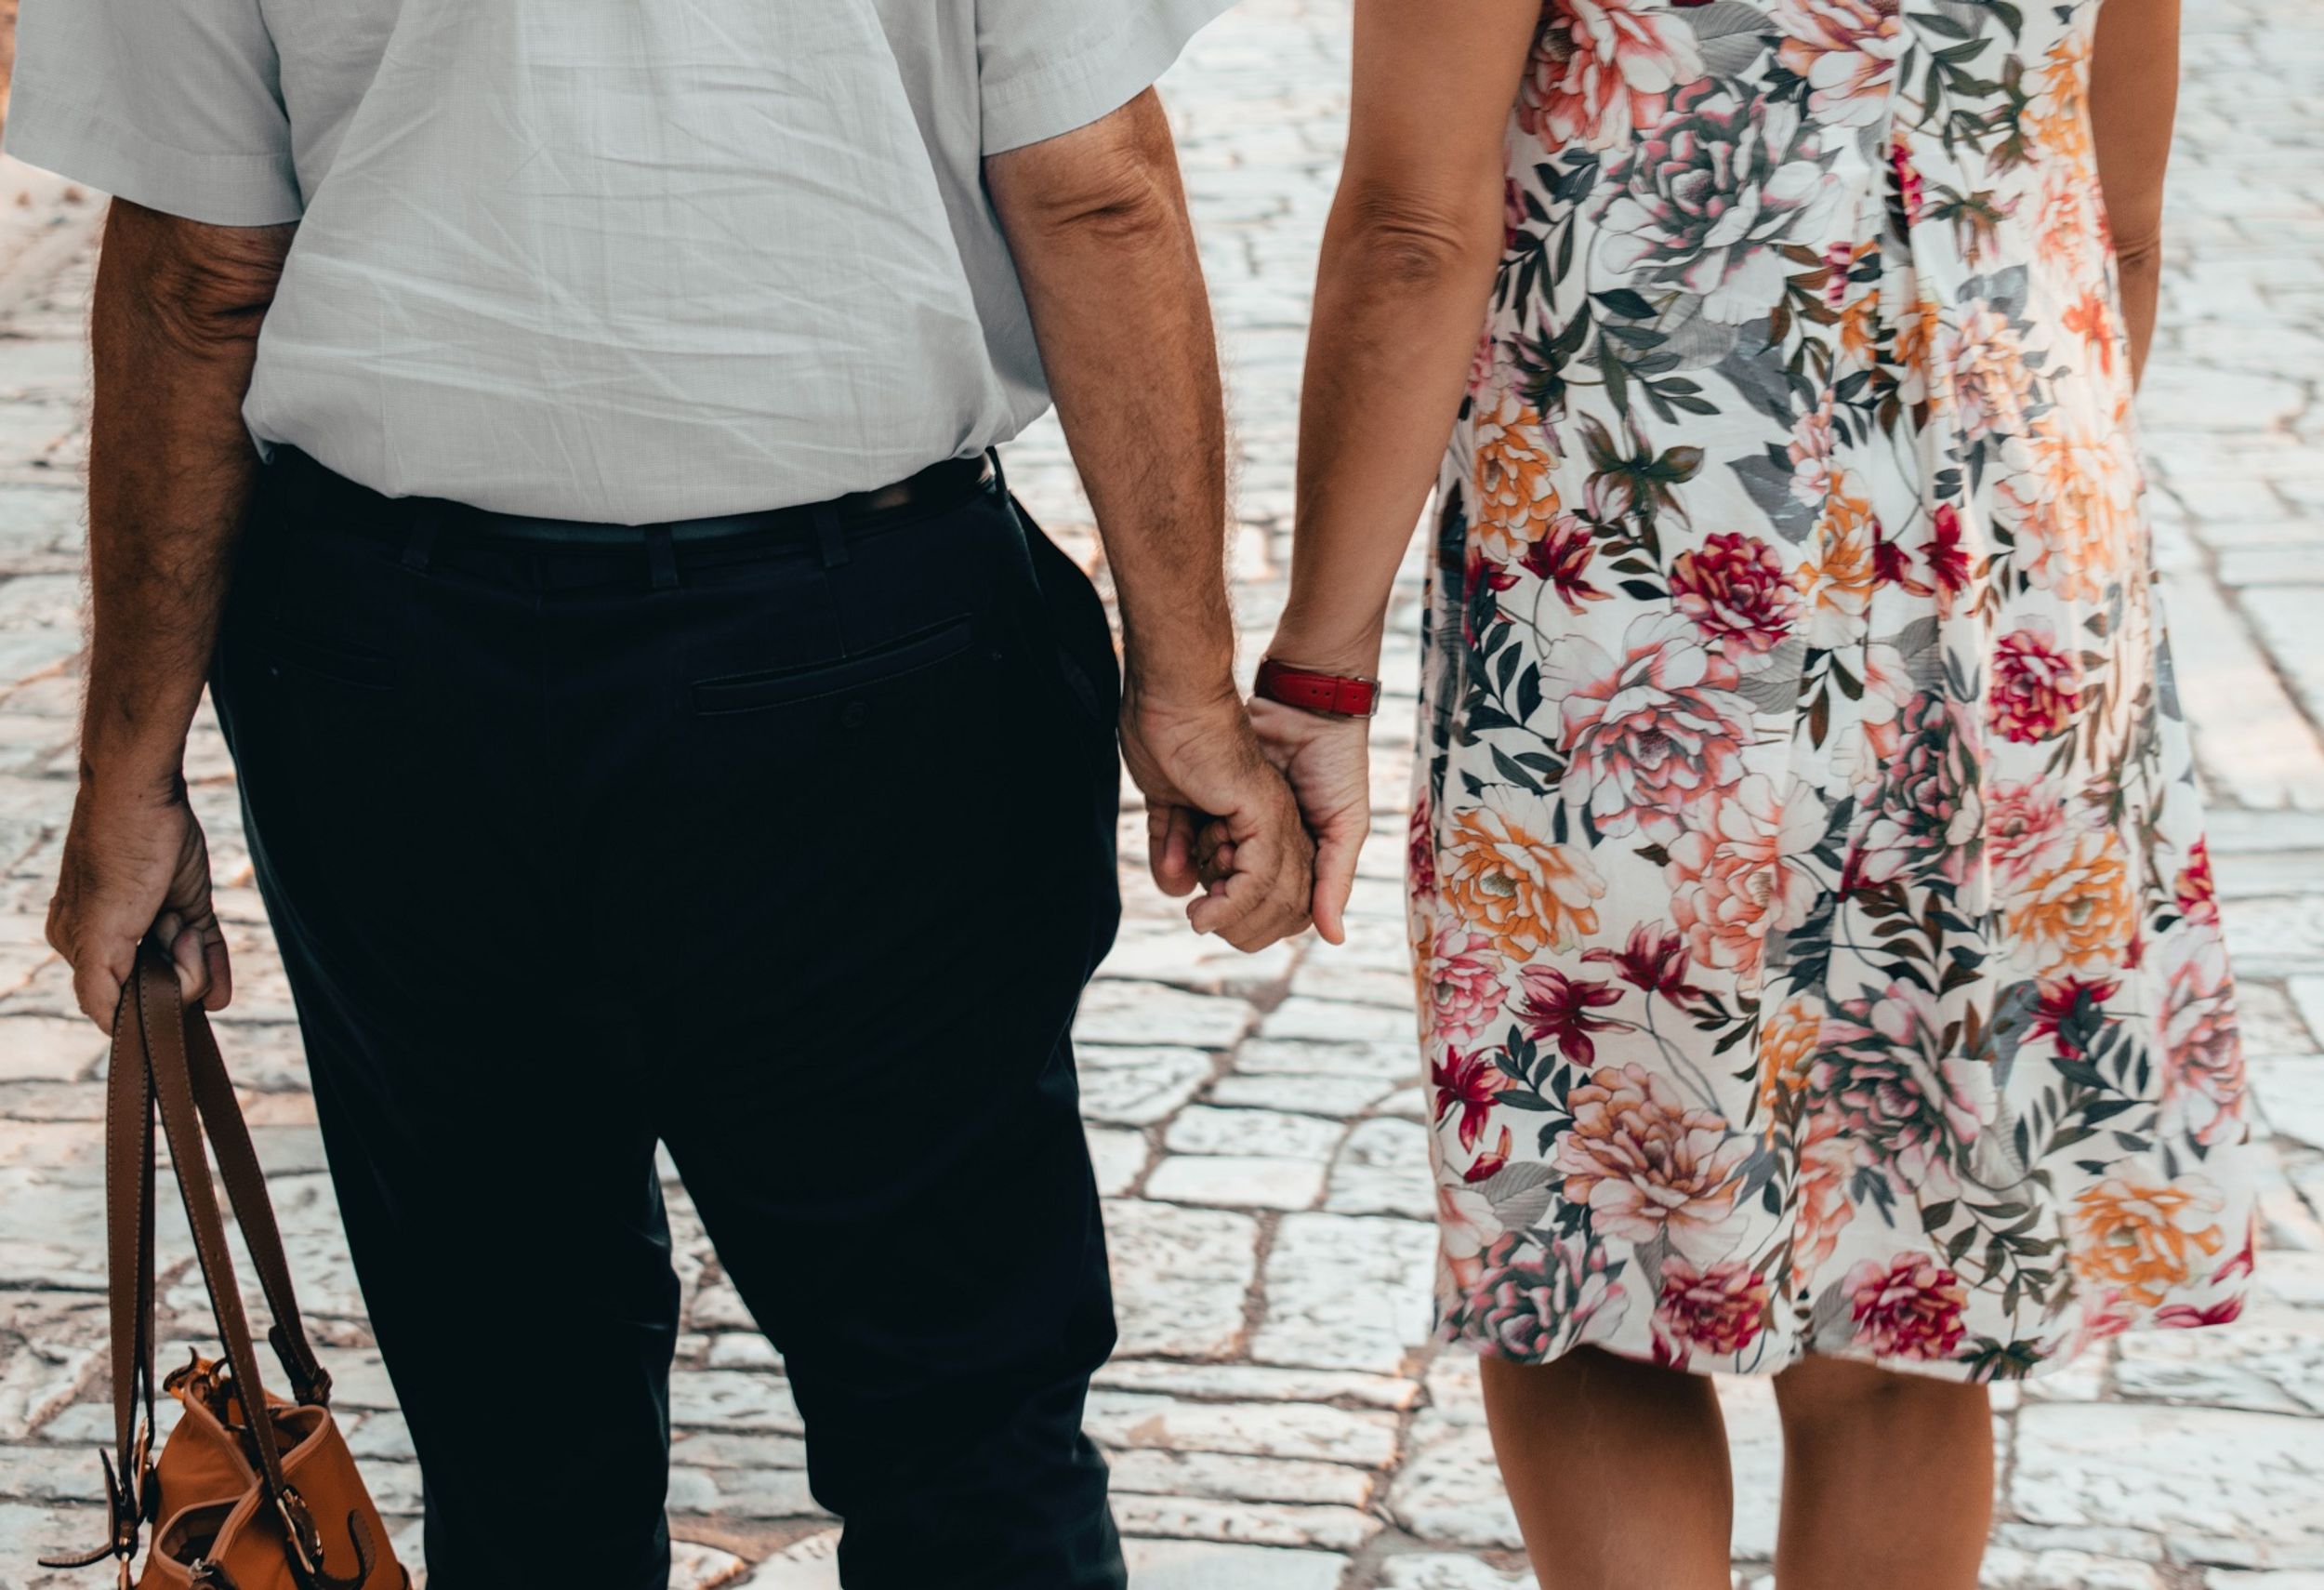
(1170,849)
(189,954)
(96,989)
(1264,898)
(220,969)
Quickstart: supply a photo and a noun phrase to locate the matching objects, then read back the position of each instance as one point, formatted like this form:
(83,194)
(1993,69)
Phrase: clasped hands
(1259,810)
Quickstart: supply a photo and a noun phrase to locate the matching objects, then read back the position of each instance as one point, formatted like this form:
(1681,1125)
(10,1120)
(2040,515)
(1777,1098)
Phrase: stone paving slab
(1276,1415)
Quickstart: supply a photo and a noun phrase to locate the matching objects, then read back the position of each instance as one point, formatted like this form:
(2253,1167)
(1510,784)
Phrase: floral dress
(1817,944)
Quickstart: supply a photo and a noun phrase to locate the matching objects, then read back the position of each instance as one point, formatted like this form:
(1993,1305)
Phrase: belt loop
(1000,476)
(661,556)
(830,534)
(419,547)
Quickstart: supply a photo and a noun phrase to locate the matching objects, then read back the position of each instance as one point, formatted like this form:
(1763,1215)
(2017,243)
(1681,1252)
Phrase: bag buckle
(128,1503)
(306,1544)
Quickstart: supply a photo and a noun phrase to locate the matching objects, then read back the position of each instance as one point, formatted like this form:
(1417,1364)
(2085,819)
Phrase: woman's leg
(1857,1439)
(1617,1469)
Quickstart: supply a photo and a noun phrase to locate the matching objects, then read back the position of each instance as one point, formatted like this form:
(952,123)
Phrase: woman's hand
(1327,762)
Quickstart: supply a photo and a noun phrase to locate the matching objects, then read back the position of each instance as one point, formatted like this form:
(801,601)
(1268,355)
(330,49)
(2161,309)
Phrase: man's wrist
(1179,688)
(143,777)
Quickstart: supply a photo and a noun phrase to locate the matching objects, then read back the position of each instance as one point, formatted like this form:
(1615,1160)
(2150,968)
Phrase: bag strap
(254,1210)
(129,1490)
(161,1024)
(164,1058)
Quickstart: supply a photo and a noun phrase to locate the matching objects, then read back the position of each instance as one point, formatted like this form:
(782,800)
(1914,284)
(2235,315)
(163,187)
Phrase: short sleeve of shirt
(172,104)
(1050,66)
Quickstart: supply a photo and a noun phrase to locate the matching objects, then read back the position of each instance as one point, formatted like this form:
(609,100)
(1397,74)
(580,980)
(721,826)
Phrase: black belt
(308,486)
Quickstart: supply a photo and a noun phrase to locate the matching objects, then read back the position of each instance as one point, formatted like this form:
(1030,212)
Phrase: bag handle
(165,1058)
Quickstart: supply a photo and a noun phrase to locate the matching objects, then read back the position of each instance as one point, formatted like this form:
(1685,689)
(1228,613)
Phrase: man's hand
(1218,816)
(133,865)
(1328,764)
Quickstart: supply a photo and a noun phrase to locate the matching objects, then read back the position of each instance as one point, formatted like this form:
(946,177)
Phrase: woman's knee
(1823,1396)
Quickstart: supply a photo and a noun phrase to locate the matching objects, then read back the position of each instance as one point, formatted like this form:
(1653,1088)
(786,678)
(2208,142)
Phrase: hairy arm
(1400,300)
(2133,98)
(173,333)
(1097,222)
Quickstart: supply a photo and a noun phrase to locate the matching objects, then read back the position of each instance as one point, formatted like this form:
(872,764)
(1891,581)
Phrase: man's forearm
(171,468)
(1098,223)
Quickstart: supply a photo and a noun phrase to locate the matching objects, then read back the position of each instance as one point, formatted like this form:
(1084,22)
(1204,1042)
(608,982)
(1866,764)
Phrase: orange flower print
(2071,229)
(2091,318)
(1516,496)
(1827,1160)
(1837,580)
(2057,123)
(1645,1163)
(1788,1037)
(1503,878)
(2074,504)
(1917,333)
(2075,915)
(2144,1238)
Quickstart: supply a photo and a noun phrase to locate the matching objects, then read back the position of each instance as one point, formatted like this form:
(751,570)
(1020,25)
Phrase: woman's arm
(2133,96)
(1400,300)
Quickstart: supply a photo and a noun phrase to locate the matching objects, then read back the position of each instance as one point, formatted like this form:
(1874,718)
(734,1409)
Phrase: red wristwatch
(1334,695)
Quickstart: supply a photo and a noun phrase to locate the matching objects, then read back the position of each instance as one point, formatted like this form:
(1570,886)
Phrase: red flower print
(2197,893)
(1554,1005)
(2184,1317)
(1908,180)
(1893,565)
(2036,687)
(1736,591)
(2070,1011)
(1468,1083)
(1488,1166)
(1421,850)
(1949,563)
(1654,962)
(1560,558)
(1719,1311)
(1910,1308)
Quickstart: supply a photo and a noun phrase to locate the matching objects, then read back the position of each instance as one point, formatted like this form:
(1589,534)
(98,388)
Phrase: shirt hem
(257,189)
(1098,80)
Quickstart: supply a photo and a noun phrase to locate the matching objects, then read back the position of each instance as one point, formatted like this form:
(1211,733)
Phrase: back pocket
(788,687)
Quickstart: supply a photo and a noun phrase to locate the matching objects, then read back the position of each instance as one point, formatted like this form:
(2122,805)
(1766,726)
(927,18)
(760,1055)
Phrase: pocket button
(856,714)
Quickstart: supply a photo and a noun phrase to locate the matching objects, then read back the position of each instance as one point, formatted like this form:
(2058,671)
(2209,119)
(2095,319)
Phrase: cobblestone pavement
(1275,1422)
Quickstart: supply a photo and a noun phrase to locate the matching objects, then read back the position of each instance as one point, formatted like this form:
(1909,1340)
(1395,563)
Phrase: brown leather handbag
(239,1501)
